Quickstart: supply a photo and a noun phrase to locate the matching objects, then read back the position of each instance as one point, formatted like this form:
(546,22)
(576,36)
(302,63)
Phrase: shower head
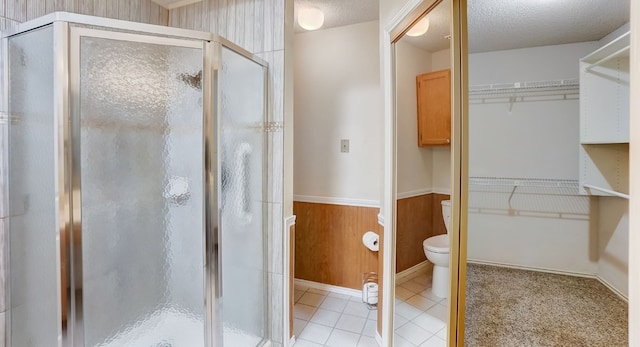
(194,81)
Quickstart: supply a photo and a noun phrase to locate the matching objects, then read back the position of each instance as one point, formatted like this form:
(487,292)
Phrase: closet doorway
(548,214)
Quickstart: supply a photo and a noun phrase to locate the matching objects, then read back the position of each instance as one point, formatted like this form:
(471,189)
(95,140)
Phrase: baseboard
(532,268)
(554,271)
(329,288)
(407,274)
(336,201)
(378,338)
(613,289)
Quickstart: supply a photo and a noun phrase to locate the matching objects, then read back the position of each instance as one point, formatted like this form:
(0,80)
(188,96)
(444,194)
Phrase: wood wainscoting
(328,243)
(418,218)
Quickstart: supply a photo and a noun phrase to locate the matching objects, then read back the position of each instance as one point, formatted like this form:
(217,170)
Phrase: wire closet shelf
(567,89)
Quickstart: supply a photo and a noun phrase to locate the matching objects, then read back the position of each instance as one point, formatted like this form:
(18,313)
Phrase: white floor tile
(420,302)
(300,287)
(367,341)
(428,293)
(298,325)
(370,328)
(334,304)
(318,291)
(317,333)
(311,299)
(356,309)
(297,295)
(423,279)
(373,314)
(351,323)
(325,317)
(439,311)
(303,311)
(442,333)
(304,343)
(341,338)
(413,333)
(429,323)
(413,286)
(340,296)
(434,342)
(404,293)
(407,311)
(399,321)
(401,342)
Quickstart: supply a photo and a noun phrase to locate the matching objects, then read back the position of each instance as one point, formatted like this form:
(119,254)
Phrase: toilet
(436,248)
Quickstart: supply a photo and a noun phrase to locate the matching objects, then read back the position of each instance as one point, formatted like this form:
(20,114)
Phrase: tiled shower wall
(259,27)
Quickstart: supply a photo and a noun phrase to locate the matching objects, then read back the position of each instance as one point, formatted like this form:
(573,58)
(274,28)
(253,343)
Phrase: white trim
(381,219)
(414,193)
(440,190)
(406,275)
(390,179)
(292,341)
(328,288)
(172,4)
(286,251)
(553,271)
(378,338)
(336,201)
(613,289)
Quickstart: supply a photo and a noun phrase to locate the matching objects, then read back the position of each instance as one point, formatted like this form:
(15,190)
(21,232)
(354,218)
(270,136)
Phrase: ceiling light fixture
(310,18)
(419,28)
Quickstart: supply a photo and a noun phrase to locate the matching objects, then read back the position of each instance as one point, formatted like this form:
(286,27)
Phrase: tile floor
(328,319)
(420,317)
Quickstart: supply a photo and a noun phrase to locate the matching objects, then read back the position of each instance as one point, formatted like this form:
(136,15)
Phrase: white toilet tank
(446,213)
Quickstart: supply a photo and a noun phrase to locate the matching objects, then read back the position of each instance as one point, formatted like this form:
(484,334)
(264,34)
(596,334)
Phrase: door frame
(399,25)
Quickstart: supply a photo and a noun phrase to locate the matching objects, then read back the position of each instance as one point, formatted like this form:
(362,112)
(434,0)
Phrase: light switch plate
(344,146)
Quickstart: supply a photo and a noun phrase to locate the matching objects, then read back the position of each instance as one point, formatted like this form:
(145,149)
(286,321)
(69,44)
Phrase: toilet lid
(437,244)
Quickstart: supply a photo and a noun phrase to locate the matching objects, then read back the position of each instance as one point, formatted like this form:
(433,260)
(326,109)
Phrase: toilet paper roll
(370,293)
(370,240)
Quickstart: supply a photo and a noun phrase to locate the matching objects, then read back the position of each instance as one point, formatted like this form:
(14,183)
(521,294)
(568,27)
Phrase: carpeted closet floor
(518,308)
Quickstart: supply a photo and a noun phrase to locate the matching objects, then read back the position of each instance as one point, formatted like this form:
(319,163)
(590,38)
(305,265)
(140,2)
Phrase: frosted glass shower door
(241,107)
(139,165)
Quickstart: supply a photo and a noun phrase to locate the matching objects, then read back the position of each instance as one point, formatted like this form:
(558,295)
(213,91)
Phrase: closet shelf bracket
(608,191)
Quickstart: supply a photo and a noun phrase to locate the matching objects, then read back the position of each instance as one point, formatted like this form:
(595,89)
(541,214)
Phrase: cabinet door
(434,108)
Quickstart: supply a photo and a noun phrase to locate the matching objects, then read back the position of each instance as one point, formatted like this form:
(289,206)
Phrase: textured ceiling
(498,24)
(341,12)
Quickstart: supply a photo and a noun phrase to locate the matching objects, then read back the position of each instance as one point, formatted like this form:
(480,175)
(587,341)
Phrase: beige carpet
(517,308)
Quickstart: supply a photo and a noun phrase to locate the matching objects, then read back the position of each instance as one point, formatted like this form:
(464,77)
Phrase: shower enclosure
(136,159)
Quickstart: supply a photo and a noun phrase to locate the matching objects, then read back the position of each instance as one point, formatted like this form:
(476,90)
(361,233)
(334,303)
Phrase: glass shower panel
(33,209)
(242,148)
(141,164)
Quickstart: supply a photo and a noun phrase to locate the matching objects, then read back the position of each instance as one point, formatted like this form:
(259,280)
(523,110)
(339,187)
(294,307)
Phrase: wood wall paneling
(418,218)
(329,245)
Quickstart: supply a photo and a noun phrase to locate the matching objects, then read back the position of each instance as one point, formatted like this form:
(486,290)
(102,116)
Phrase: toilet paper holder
(370,290)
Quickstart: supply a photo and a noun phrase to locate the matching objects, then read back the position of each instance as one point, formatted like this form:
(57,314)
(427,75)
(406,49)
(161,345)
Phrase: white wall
(532,140)
(337,96)
(613,242)
(414,163)
(441,154)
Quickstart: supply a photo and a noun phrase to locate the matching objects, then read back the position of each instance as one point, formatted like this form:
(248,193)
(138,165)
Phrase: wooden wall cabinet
(434,108)
(604,120)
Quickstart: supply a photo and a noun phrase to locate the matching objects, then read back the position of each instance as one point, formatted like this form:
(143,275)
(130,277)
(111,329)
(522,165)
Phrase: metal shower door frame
(68,106)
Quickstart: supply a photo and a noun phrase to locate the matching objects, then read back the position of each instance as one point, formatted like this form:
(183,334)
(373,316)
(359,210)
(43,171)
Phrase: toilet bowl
(436,249)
